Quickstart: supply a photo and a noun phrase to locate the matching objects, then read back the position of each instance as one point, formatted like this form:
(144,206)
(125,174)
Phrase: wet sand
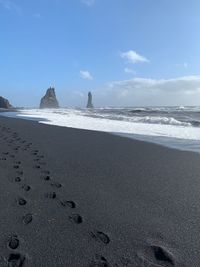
(80,198)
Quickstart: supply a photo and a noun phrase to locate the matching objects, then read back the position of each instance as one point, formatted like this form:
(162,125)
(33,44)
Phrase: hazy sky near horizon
(127,52)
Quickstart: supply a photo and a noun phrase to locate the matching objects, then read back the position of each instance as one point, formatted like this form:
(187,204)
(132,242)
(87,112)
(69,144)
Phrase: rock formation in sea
(49,100)
(89,103)
(4,103)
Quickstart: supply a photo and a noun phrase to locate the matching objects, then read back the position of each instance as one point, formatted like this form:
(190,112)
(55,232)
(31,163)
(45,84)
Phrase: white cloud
(85,74)
(129,71)
(149,92)
(88,2)
(133,57)
(138,91)
(155,86)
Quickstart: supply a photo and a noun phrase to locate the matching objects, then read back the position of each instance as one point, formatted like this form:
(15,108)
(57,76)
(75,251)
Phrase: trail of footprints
(16,259)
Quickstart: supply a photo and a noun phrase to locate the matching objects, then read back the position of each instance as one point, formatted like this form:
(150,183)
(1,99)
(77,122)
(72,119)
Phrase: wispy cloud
(147,91)
(129,71)
(88,3)
(181,90)
(10,5)
(85,74)
(184,85)
(133,57)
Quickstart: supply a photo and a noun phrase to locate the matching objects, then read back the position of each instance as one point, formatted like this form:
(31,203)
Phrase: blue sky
(127,52)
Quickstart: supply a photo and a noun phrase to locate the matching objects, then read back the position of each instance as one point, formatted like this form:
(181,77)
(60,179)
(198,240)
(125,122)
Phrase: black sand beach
(78,198)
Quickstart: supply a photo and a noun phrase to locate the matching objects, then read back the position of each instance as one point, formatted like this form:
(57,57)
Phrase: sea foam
(80,119)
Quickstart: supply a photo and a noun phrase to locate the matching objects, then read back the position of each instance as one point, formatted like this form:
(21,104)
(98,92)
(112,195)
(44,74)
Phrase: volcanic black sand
(78,198)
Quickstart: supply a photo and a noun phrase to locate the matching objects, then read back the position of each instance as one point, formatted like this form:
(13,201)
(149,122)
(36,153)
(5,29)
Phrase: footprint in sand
(18,179)
(17,162)
(34,153)
(37,166)
(99,261)
(46,178)
(27,219)
(51,195)
(26,187)
(100,236)
(14,242)
(16,166)
(76,218)
(16,260)
(162,255)
(68,203)
(157,255)
(22,201)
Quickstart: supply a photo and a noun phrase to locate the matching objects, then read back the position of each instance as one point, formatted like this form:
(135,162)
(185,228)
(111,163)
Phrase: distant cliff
(4,103)
(49,100)
(89,103)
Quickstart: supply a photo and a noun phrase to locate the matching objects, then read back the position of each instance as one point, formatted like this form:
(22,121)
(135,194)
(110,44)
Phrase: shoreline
(117,202)
(169,142)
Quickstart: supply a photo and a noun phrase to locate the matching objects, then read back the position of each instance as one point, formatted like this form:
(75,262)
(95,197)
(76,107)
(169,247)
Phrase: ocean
(175,127)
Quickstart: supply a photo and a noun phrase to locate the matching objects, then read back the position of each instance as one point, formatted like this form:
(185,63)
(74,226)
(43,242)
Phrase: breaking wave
(117,121)
(177,127)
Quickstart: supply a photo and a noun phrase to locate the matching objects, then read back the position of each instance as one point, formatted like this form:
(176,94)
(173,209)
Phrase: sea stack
(49,100)
(4,103)
(89,103)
